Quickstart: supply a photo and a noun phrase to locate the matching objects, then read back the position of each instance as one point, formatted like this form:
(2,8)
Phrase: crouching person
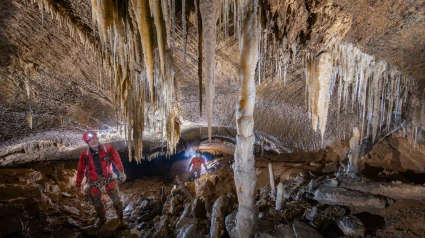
(96,164)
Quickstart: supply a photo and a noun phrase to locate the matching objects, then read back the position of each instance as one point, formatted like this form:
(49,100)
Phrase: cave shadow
(163,167)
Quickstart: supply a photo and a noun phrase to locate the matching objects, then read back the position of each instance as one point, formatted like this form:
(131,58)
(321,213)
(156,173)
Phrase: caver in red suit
(96,164)
(197,162)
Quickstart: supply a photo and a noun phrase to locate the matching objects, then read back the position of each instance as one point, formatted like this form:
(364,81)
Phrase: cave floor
(40,202)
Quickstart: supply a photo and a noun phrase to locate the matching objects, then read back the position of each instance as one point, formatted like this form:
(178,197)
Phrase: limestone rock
(71,210)
(267,229)
(219,212)
(338,196)
(303,230)
(351,226)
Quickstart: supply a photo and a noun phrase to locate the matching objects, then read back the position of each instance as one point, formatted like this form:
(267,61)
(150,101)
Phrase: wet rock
(73,223)
(148,215)
(162,228)
(23,176)
(351,226)
(303,230)
(144,205)
(175,206)
(261,204)
(265,191)
(156,206)
(338,196)
(175,191)
(183,221)
(325,218)
(219,211)
(198,208)
(212,185)
(191,187)
(267,229)
(31,206)
(47,201)
(71,210)
(9,191)
(88,231)
(54,197)
(396,191)
(12,219)
(311,213)
(330,167)
(230,223)
(109,228)
(190,231)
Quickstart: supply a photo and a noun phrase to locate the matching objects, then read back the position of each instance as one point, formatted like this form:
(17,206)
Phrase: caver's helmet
(88,135)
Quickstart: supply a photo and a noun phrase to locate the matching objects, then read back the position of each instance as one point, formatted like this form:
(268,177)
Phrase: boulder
(219,211)
(339,196)
(351,226)
(73,222)
(12,218)
(71,210)
(303,230)
(10,191)
(197,208)
(109,228)
(230,223)
(330,167)
(191,231)
(212,186)
(183,221)
(267,229)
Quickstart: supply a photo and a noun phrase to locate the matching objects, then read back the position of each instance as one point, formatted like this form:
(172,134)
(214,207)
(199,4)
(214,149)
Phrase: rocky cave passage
(311,113)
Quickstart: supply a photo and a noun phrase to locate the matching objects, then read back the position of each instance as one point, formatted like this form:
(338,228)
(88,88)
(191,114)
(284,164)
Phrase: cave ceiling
(54,86)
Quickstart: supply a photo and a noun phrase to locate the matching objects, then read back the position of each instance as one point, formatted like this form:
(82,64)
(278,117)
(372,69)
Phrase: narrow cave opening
(165,168)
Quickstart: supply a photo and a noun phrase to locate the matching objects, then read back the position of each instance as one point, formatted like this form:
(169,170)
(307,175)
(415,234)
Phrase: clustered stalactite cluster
(137,41)
(363,84)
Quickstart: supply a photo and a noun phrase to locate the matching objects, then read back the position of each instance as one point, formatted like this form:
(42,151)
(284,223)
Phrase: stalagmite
(209,11)
(354,152)
(272,185)
(245,177)
(279,197)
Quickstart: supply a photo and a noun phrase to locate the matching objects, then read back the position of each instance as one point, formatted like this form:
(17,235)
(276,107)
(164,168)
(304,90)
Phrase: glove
(123,177)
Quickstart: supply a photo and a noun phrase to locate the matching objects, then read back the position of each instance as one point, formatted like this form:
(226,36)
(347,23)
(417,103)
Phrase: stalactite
(156,9)
(245,178)
(377,89)
(140,9)
(318,82)
(209,10)
(28,118)
(200,56)
(184,30)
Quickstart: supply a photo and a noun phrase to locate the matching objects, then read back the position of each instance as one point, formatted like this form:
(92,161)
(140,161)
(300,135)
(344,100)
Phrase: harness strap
(108,159)
(100,183)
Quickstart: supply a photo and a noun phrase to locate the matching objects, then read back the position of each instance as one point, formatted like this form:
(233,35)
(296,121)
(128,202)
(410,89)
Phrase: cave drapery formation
(166,71)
